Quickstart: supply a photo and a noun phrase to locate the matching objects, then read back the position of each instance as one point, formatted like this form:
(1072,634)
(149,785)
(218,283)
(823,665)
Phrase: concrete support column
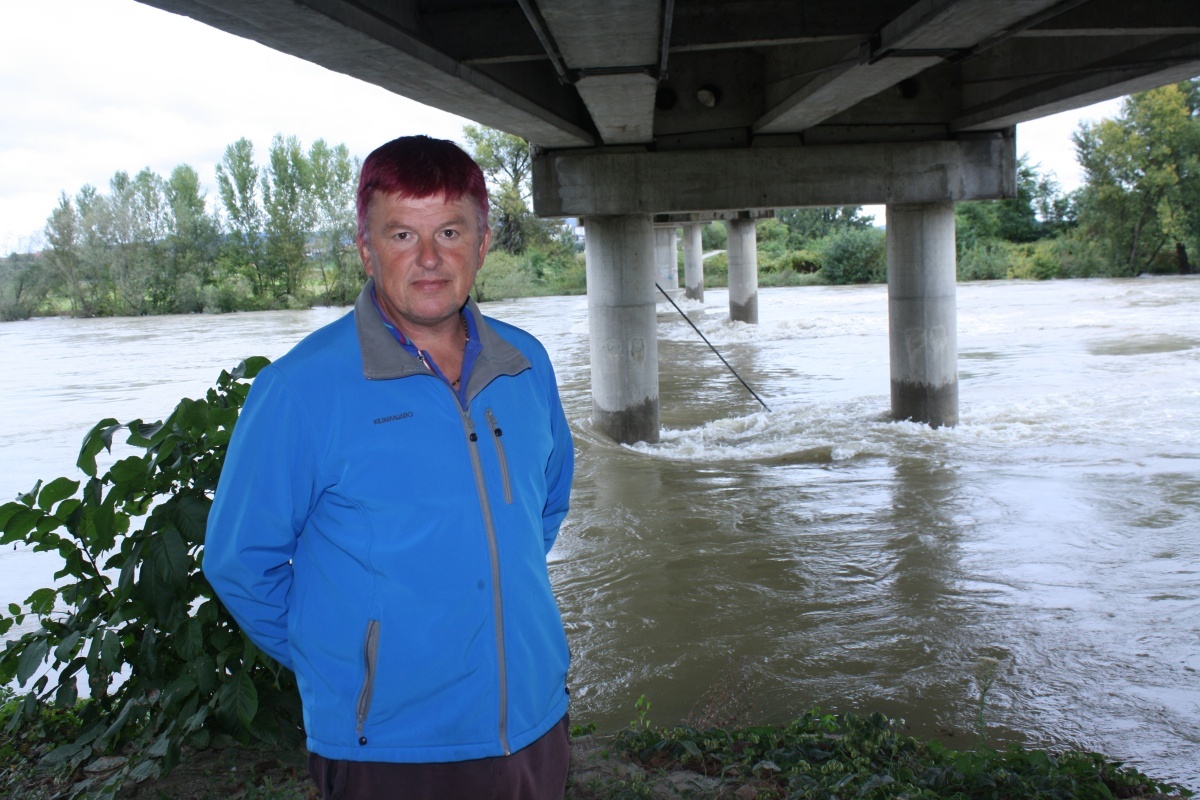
(619,252)
(922,313)
(666,258)
(742,248)
(693,262)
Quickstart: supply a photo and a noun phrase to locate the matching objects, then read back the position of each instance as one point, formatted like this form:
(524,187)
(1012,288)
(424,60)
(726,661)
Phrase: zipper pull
(470,427)
(491,418)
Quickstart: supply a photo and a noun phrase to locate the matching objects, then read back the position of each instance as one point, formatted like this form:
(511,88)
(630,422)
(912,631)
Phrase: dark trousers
(539,772)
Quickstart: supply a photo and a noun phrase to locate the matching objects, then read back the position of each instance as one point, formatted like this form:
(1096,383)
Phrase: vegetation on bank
(171,680)
(281,234)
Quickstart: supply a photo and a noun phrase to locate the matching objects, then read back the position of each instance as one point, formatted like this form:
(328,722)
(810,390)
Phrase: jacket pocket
(497,433)
(371,662)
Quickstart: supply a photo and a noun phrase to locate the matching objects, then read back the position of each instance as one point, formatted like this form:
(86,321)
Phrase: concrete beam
(612,52)
(585,183)
(1147,67)
(925,34)
(354,40)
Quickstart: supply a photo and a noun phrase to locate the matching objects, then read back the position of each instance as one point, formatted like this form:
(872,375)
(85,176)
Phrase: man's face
(424,254)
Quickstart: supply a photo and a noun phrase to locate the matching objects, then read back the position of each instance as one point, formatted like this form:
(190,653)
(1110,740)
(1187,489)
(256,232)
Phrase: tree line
(281,234)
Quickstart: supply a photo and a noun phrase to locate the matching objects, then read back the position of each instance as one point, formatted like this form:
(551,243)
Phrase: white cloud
(90,87)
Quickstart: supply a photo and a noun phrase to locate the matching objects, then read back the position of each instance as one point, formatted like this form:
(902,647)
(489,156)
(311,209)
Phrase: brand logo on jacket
(393,417)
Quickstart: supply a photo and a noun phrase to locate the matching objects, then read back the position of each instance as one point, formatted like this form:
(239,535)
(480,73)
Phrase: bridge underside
(641,108)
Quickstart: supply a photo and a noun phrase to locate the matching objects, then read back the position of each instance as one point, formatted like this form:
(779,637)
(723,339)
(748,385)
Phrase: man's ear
(364,253)
(485,242)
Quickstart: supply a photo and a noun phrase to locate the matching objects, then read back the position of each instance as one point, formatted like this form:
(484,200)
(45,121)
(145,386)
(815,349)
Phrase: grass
(862,757)
(816,756)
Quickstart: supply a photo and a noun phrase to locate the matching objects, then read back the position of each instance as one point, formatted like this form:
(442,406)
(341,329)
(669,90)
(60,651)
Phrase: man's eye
(402,235)
(450,234)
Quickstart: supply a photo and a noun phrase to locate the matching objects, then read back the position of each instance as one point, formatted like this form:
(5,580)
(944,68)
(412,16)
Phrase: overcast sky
(90,87)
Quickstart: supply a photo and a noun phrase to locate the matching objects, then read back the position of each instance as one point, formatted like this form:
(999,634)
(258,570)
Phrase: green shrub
(869,757)
(716,270)
(236,294)
(985,261)
(713,236)
(504,276)
(854,255)
(165,663)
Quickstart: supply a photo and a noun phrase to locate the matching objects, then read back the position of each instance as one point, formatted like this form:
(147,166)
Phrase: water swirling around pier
(820,552)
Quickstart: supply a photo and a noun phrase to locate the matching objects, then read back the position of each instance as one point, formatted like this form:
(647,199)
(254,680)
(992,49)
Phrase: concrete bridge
(689,109)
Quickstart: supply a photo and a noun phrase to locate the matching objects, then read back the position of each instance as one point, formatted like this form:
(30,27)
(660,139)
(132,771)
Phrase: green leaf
(9,509)
(190,515)
(144,434)
(56,490)
(167,557)
(97,439)
(158,748)
(191,642)
(132,470)
(148,652)
(180,687)
(66,648)
(245,698)
(41,602)
(67,694)
(194,722)
(62,754)
(250,368)
(110,651)
(19,524)
(191,415)
(146,769)
(32,657)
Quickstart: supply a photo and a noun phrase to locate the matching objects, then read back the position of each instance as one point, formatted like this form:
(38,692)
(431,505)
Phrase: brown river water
(817,554)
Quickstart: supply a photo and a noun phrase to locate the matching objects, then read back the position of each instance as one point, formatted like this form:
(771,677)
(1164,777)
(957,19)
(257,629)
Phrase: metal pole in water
(710,347)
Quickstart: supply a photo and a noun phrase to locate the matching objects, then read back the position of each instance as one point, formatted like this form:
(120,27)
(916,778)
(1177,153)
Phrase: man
(391,491)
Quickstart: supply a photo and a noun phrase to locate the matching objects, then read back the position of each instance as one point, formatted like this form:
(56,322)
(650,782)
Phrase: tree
(289,210)
(237,185)
(131,224)
(334,182)
(807,225)
(507,165)
(1141,171)
(192,240)
(64,240)
(23,285)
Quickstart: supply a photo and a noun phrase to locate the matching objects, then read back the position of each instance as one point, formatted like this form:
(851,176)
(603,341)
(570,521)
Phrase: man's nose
(428,255)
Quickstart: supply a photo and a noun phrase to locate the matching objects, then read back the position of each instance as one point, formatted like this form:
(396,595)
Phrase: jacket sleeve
(261,504)
(560,468)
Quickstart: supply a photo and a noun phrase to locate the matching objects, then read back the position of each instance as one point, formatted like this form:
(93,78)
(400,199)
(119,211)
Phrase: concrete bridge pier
(693,262)
(666,258)
(922,313)
(742,249)
(620,257)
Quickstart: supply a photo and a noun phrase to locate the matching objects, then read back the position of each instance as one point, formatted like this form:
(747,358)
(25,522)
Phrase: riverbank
(884,764)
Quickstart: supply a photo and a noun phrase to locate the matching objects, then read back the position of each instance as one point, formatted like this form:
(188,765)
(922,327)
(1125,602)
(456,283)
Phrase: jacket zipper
(371,659)
(495,426)
(494,554)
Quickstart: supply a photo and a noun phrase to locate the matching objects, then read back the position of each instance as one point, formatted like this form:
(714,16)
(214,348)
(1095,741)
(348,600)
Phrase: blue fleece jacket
(388,544)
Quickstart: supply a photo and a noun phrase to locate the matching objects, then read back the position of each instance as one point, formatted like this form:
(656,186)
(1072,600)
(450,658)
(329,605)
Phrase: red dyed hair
(418,167)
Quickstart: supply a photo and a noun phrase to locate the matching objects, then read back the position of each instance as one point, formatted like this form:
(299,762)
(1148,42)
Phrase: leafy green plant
(850,756)
(130,612)
(854,255)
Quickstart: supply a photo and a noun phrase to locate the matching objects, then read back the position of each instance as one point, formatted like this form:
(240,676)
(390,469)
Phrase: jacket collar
(384,359)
